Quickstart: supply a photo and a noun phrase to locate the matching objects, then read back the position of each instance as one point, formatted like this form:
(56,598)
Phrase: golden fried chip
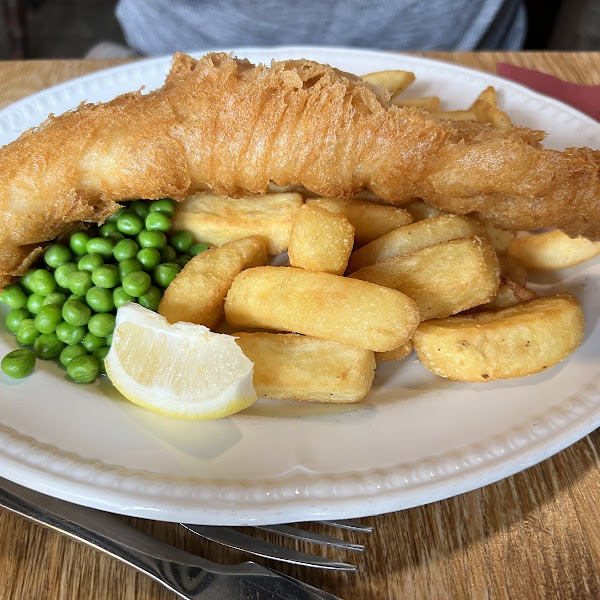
(370,220)
(394,81)
(443,279)
(396,354)
(197,294)
(512,342)
(455,115)
(322,305)
(415,236)
(217,220)
(420,210)
(320,240)
(300,367)
(487,113)
(428,103)
(552,250)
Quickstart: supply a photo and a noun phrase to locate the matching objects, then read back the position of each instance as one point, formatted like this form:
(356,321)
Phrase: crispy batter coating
(224,124)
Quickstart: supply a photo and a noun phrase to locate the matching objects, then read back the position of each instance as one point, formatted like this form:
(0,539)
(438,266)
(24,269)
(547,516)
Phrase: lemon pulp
(181,370)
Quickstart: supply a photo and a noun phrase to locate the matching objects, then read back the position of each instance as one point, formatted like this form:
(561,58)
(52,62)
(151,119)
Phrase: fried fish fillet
(224,124)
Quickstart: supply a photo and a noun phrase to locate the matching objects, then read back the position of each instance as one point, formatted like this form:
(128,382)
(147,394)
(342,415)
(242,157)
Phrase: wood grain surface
(535,535)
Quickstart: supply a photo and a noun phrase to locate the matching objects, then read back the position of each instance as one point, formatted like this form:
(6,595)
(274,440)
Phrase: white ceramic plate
(417,438)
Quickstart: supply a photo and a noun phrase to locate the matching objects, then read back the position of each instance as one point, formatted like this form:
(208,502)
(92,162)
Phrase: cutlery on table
(187,575)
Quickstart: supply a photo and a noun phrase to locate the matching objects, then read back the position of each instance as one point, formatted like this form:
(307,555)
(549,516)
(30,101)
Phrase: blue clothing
(159,27)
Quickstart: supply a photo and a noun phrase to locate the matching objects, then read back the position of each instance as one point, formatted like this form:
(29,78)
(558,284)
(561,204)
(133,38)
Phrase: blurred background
(73,28)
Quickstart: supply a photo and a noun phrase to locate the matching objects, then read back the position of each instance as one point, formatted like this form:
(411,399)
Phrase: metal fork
(247,543)
(187,575)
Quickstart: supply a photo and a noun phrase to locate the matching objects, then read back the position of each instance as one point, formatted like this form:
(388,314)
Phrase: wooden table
(534,535)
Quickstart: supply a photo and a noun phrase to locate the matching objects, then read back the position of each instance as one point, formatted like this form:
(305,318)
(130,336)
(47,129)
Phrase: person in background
(166,26)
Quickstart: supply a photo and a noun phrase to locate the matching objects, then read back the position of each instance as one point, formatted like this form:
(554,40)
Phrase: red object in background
(586,98)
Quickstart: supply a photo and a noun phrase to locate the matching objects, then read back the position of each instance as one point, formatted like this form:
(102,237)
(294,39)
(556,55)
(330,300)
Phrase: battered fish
(227,125)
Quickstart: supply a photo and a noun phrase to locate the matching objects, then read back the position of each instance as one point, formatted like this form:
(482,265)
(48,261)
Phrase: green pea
(100,355)
(99,245)
(120,297)
(76,313)
(101,325)
(80,282)
(48,346)
(168,254)
(106,276)
(89,262)
(18,363)
(100,300)
(158,221)
(15,317)
(151,298)
(115,216)
(165,273)
(35,303)
(182,241)
(136,283)
(70,334)
(129,265)
(183,260)
(166,205)
(42,282)
(61,275)
(83,369)
(92,342)
(56,255)
(107,229)
(109,339)
(125,249)
(140,208)
(78,242)
(149,258)
(27,333)
(48,318)
(76,297)
(151,239)
(57,298)
(130,224)
(115,237)
(25,281)
(14,296)
(70,352)
(197,248)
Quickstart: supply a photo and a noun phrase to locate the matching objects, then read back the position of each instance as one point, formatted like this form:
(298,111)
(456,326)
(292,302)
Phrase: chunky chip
(322,305)
(512,342)
(216,220)
(370,220)
(552,250)
(197,294)
(416,236)
(396,354)
(509,294)
(443,279)
(307,368)
(420,210)
(500,238)
(320,240)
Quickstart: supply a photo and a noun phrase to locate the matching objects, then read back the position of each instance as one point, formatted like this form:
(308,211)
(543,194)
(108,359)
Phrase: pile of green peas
(65,306)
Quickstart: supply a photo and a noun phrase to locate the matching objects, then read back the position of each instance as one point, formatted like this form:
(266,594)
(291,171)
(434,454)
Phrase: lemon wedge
(182,370)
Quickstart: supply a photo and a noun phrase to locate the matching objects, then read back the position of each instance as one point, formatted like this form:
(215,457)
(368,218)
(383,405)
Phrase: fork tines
(247,543)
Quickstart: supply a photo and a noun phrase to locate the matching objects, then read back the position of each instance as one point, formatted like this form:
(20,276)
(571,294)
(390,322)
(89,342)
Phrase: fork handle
(189,576)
